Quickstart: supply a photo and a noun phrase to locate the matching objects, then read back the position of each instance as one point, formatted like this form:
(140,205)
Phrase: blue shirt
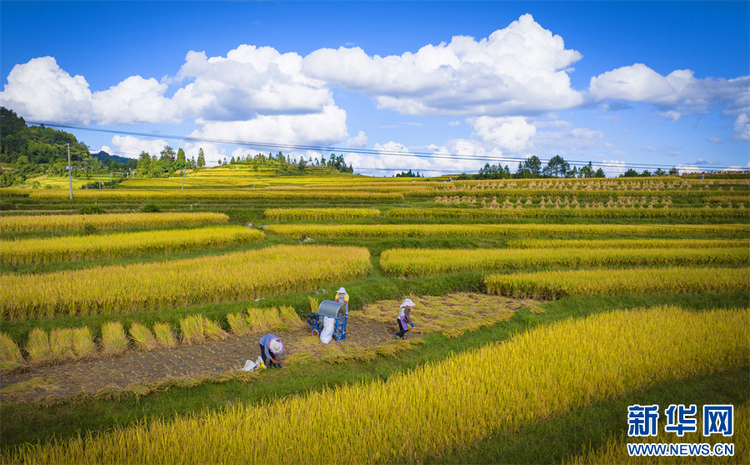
(264,342)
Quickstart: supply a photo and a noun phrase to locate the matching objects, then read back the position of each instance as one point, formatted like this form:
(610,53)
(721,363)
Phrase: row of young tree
(169,161)
(335,162)
(556,167)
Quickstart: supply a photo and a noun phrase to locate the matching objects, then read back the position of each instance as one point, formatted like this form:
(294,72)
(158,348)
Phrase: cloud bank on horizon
(507,87)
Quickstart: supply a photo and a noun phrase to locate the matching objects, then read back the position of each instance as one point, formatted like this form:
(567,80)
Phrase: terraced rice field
(538,299)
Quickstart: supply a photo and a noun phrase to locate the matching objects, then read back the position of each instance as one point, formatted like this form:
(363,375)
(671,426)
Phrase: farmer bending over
(270,348)
(404,318)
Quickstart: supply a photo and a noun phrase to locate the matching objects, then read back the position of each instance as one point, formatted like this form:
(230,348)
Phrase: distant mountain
(103,156)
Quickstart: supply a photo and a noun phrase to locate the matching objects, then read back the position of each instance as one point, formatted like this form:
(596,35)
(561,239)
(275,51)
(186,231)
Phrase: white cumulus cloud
(41,90)
(512,134)
(521,69)
(131,147)
(359,141)
(249,80)
(676,94)
(325,128)
(742,127)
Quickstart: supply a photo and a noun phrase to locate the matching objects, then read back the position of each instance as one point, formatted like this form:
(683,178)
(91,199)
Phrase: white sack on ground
(328,325)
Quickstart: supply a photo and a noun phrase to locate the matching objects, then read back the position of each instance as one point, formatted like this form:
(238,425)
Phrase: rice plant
(554,284)
(192,330)
(212,331)
(107,221)
(420,262)
(233,276)
(629,243)
(114,341)
(27,251)
(61,344)
(10,354)
(238,324)
(215,194)
(320,213)
(500,230)
(290,320)
(37,346)
(83,343)
(608,213)
(164,335)
(143,337)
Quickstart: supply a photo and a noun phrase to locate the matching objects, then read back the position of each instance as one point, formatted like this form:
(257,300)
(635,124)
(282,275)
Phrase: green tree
(556,166)
(152,168)
(587,171)
(181,160)
(144,164)
(201,159)
(167,155)
(599,173)
(530,168)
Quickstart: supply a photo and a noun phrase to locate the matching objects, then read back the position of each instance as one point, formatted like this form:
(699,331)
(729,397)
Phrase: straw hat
(341,291)
(276,346)
(407,303)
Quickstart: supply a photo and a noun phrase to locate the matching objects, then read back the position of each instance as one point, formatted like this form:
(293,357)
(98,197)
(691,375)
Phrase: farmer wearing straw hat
(341,296)
(270,348)
(404,318)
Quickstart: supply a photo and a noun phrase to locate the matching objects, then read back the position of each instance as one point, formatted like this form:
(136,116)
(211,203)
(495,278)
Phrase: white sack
(328,326)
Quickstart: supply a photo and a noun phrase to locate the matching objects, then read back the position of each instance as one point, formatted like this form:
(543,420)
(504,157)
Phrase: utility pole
(184,170)
(70,175)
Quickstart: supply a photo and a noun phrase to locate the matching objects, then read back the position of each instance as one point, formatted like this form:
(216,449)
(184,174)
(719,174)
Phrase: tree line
(556,167)
(29,151)
(289,164)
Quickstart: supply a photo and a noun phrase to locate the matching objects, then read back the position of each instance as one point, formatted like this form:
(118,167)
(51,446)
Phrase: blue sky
(621,84)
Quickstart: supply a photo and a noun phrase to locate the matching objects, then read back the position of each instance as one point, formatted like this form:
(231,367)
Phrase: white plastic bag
(328,326)
(251,366)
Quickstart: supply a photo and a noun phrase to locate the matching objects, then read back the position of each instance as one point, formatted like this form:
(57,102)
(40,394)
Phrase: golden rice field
(426,230)
(739,195)
(130,288)
(677,184)
(199,194)
(416,415)
(21,252)
(320,213)
(107,221)
(604,213)
(421,262)
(555,284)
(628,243)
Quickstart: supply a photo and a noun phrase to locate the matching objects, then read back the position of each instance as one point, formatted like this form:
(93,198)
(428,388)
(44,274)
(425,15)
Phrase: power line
(392,153)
